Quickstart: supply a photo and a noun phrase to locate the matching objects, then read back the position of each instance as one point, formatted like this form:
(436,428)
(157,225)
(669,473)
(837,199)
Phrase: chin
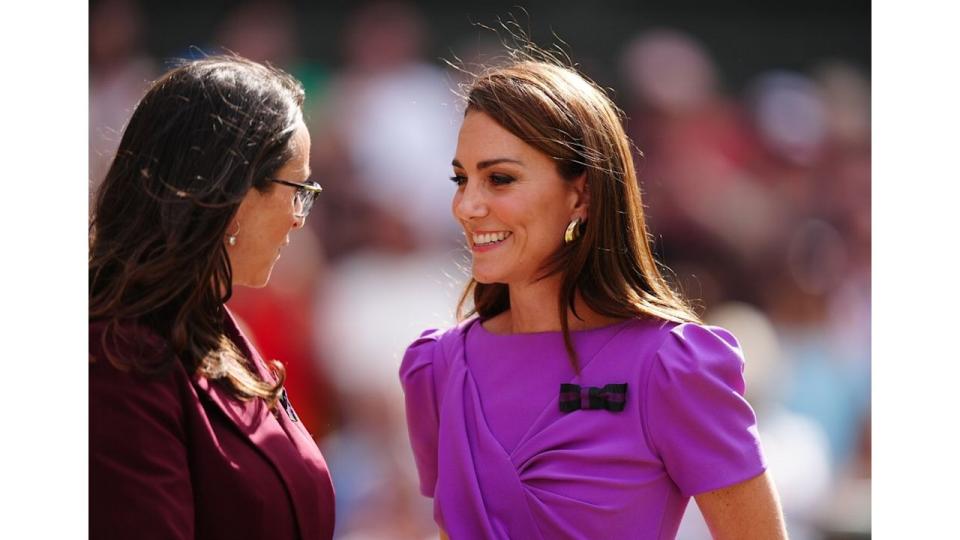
(257,282)
(487,278)
(261,283)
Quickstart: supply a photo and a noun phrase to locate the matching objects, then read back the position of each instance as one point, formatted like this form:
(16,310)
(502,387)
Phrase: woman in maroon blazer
(191,433)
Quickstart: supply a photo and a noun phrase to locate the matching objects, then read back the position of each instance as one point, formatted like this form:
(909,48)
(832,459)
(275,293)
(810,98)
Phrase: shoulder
(697,417)
(698,371)
(138,438)
(435,346)
(128,361)
(686,358)
(125,341)
(704,336)
(697,347)
(128,404)
(439,340)
(447,335)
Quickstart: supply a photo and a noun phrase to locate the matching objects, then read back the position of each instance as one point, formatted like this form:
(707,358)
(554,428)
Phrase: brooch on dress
(612,397)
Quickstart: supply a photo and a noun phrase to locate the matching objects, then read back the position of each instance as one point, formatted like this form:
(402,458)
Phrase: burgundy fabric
(175,456)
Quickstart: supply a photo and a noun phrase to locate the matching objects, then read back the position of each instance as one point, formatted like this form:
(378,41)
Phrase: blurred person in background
(716,220)
(119,75)
(369,452)
(191,431)
(818,291)
(765,200)
(386,127)
(263,31)
(568,298)
(391,117)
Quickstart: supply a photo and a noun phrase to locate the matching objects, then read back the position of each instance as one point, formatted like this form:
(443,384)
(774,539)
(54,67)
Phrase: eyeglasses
(306,194)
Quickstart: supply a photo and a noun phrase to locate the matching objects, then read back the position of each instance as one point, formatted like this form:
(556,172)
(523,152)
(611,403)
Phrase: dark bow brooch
(612,397)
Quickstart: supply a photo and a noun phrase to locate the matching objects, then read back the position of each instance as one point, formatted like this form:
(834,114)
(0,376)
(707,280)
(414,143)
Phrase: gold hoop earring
(573,231)
(232,238)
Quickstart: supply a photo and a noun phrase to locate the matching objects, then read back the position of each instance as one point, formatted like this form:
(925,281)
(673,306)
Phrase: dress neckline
(552,333)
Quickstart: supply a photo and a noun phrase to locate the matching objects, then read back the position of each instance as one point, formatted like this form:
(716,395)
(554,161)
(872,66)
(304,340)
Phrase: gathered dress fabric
(176,456)
(502,461)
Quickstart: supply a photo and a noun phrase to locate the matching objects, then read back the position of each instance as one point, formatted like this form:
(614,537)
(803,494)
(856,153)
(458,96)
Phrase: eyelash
(495,179)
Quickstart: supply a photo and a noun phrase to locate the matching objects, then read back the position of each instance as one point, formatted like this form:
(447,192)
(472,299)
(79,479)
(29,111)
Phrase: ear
(580,197)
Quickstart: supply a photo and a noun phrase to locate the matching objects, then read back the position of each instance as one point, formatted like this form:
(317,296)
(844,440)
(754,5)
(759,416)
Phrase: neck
(533,308)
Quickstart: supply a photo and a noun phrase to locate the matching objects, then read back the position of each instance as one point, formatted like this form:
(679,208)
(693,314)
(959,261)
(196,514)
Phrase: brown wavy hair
(205,133)
(569,118)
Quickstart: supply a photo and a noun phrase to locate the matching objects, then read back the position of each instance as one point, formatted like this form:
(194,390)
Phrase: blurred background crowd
(753,134)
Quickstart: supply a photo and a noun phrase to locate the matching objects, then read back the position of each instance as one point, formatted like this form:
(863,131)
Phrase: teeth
(490,238)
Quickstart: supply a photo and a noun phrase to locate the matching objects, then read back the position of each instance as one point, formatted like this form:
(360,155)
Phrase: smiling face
(265,219)
(511,201)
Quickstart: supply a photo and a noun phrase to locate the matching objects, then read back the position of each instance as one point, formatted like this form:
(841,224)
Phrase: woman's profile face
(266,219)
(512,203)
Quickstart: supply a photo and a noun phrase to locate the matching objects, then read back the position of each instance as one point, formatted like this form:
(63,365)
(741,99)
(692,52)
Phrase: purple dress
(501,460)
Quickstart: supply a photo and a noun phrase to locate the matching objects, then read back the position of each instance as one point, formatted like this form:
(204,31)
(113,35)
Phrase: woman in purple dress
(584,399)
(191,432)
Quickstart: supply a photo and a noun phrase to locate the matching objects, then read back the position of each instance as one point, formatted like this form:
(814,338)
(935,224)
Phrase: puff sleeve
(418,377)
(701,426)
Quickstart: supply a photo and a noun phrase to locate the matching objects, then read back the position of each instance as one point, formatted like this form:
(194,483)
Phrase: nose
(469,202)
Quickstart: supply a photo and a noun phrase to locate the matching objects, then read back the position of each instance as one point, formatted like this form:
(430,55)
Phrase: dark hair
(567,117)
(204,134)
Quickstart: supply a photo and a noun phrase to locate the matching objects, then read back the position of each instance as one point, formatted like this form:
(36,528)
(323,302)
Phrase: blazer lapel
(254,420)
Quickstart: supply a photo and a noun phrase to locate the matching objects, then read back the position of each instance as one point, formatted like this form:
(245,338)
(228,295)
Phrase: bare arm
(748,510)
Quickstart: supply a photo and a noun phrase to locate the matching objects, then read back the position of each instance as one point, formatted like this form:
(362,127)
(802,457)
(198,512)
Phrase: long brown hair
(204,134)
(567,117)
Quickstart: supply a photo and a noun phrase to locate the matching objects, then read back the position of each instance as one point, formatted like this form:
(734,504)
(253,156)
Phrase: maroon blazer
(175,456)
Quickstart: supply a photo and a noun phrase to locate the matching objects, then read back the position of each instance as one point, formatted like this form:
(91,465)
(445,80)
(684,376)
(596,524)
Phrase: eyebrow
(488,162)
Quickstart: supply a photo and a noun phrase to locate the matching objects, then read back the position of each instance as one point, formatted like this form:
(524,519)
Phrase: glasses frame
(304,189)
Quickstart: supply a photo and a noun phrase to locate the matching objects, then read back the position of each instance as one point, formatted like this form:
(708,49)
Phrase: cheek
(531,219)
(284,223)
(271,231)
(281,215)
(543,228)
